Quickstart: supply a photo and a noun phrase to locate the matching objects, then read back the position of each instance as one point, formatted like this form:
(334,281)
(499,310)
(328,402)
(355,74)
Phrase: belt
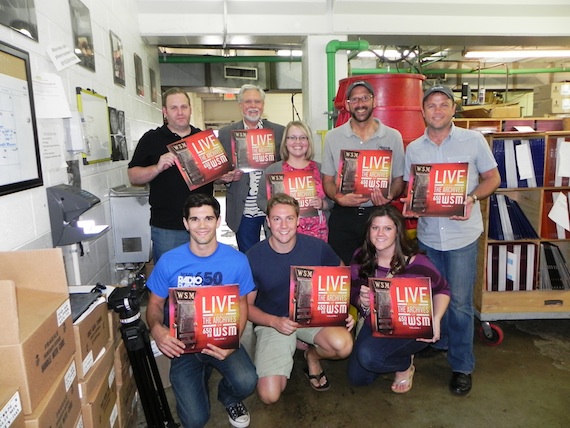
(359,211)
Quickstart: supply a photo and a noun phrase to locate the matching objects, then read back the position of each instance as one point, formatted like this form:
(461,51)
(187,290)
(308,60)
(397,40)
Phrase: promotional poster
(401,307)
(253,149)
(319,295)
(437,190)
(362,171)
(298,184)
(200,158)
(202,315)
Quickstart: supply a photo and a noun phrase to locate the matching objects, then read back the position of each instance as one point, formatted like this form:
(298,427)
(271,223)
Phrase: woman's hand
(364,297)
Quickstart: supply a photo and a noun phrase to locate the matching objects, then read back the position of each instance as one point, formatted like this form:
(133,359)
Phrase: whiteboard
(96,130)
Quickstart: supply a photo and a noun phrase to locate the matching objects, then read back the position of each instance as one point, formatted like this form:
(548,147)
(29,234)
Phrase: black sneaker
(238,415)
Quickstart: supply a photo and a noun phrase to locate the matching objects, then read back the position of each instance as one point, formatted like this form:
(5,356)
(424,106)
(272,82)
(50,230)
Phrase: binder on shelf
(520,161)
(511,267)
(507,221)
(554,273)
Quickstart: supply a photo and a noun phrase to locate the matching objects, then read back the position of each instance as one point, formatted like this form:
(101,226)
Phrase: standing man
(203,262)
(152,163)
(276,334)
(348,217)
(451,243)
(242,213)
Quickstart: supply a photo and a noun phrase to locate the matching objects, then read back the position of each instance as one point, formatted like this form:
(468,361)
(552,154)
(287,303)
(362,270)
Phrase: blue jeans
(164,240)
(373,356)
(248,232)
(189,375)
(459,269)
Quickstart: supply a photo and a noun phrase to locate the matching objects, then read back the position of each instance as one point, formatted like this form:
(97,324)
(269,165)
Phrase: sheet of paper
(559,212)
(524,128)
(49,97)
(524,161)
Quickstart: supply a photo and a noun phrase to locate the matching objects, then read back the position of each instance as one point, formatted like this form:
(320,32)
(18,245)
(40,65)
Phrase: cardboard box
(126,400)
(122,364)
(11,412)
(102,368)
(37,340)
(131,418)
(551,105)
(115,327)
(61,405)
(101,410)
(551,90)
(491,110)
(163,364)
(91,332)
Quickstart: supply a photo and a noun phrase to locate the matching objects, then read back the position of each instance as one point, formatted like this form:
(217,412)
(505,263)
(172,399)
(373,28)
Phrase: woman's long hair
(405,246)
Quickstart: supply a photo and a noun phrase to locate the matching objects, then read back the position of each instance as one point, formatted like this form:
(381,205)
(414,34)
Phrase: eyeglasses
(363,99)
(301,138)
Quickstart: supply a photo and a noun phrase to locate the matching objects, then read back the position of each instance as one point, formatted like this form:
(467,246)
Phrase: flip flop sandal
(318,378)
(408,381)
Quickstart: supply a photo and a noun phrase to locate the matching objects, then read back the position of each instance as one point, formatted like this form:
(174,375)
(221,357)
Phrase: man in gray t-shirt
(362,132)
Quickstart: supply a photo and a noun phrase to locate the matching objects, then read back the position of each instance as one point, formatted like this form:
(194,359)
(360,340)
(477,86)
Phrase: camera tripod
(136,338)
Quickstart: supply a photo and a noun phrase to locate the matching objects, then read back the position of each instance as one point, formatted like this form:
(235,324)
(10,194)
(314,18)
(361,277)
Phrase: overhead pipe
(202,59)
(511,71)
(331,49)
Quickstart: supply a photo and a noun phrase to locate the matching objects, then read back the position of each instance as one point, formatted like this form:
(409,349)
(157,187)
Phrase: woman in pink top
(297,153)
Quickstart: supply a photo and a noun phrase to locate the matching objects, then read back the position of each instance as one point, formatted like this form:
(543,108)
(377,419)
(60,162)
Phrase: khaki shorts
(274,351)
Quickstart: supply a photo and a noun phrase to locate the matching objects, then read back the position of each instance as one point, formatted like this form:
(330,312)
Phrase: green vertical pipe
(331,49)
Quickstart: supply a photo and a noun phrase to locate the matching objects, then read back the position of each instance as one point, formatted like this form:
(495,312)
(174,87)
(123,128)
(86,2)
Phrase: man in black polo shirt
(152,163)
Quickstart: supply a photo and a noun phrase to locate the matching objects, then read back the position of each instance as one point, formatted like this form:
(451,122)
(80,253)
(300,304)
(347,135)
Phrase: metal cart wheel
(491,334)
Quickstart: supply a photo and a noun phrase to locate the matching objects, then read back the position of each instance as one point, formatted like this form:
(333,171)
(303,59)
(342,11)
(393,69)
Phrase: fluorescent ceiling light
(287,52)
(519,53)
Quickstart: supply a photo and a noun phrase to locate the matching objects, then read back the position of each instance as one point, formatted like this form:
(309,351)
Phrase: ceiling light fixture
(519,53)
(287,52)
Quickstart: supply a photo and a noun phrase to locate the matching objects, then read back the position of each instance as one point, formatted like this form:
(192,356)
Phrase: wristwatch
(474,196)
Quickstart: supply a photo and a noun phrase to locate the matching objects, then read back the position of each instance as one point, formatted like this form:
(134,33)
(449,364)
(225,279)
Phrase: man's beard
(252,117)
(353,115)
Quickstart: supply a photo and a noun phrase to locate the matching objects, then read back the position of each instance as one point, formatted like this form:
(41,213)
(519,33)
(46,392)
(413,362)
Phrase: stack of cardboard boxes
(37,347)
(553,98)
(53,371)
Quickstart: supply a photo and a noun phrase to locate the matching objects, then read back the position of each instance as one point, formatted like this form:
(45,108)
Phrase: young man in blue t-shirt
(202,262)
(276,334)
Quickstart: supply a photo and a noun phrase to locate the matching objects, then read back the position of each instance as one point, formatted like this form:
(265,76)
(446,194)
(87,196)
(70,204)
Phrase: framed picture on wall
(139,79)
(20,165)
(20,16)
(118,59)
(153,86)
(82,34)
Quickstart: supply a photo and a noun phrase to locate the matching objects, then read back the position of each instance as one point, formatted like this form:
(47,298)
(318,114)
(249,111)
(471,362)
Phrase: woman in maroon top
(388,251)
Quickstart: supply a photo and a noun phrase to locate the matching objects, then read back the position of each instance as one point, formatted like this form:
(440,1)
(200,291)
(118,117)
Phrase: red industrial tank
(397,102)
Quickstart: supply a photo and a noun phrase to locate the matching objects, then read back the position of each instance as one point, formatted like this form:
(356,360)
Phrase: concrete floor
(523,382)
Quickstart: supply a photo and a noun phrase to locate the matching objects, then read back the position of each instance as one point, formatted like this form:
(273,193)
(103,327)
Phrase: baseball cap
(443,89)
(359,83)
